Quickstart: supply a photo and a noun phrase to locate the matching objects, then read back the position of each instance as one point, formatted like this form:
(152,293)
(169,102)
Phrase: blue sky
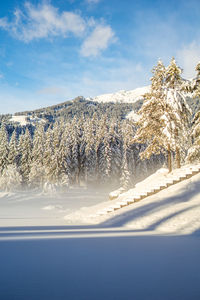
(52,51)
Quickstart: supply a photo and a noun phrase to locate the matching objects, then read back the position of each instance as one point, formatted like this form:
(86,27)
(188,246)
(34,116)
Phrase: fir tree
(13,150)
(4,148)
(37,172)
(11,179)
(194,152)
(25,150)
(165,115)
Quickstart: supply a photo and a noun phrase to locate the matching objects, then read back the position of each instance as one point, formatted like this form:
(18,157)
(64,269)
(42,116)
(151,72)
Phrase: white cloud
(53,90)
(188,57)
(92,1)
(43,21)
(97,41)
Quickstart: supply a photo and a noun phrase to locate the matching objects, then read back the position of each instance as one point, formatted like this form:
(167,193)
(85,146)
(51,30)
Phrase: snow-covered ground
(31,208)
(174,210)
(122,96)
(147,250)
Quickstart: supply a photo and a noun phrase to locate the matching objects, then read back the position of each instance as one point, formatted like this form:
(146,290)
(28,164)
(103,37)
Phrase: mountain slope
(123,96)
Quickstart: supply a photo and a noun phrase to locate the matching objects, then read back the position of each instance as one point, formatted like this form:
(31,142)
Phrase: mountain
(113,105)
(122,104)
(123,96)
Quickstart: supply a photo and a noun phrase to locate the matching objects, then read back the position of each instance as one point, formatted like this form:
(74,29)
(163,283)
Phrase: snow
(33,208)
(132,115)
(174,210)
(22,120)
(123,96)
(147,250)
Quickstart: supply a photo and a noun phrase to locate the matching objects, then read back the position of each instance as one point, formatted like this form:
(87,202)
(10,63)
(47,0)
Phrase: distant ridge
(123,96)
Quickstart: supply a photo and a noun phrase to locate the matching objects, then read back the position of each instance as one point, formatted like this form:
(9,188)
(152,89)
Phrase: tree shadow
(147,209)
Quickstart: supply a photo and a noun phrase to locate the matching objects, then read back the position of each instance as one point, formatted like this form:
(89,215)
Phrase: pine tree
(125,174)
(194,152)
(89,138)
(100,149)
(151,124)
(11,179)
(37,172)
(116,150)
(25,150)
(165,115)
(4,148)
(51,159)
(179,128)
(13,150)
(173,73)
(194,85)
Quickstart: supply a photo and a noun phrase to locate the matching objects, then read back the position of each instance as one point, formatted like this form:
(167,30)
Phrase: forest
(90,144)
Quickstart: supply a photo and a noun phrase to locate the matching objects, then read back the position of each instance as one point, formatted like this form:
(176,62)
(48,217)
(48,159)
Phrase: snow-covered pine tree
(116,149)
(11,179)
(125,174)
(63,156)
(25,152)
(165,115)
(81,149)
(179,122)
(13,150)
(50,159)
(89,138)
(37,172)
(4,148)
(193,86)
(194,151)
(107,158)
(100,149)
(75,151)
(151,124)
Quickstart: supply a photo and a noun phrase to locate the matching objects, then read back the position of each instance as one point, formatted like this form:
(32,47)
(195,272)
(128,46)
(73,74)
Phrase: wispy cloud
(188,57)
(46,21)
(100,38)
(42,21)
(53,90)
(92,1)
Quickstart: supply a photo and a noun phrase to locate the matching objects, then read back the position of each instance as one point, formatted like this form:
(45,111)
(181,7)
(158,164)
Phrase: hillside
(117,105)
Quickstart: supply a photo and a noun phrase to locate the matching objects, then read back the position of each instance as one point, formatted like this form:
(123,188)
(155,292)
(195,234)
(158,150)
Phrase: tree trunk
(178,158)
(169,159)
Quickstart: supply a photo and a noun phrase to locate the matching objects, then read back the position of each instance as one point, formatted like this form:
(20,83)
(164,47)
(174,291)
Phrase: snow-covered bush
(10,179)
(193,154)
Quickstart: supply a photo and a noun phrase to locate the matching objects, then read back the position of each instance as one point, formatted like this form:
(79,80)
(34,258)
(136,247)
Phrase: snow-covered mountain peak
(122,96)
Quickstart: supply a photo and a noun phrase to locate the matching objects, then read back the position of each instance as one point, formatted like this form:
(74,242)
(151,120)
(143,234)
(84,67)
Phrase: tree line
(85,151)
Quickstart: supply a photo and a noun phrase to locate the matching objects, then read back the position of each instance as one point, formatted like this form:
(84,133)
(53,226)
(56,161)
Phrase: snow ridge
(122,96)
